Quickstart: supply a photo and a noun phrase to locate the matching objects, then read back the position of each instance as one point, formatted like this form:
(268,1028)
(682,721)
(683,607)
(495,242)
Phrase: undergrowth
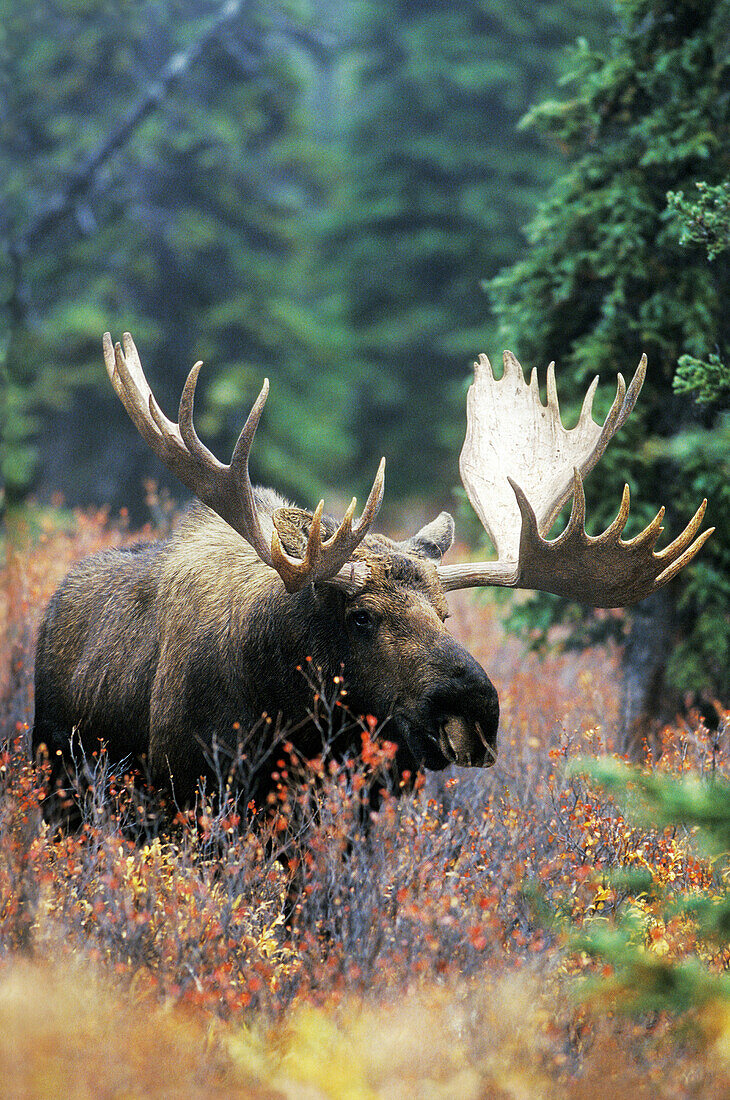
(435,946)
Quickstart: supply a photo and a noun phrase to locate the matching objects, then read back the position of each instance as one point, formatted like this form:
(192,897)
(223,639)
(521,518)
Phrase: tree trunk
(644,693)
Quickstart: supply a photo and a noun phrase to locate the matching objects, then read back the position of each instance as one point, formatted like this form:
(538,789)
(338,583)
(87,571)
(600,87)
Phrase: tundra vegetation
(441,954)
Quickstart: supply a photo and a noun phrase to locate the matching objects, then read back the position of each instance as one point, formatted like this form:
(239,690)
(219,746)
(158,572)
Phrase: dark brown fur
(164,650)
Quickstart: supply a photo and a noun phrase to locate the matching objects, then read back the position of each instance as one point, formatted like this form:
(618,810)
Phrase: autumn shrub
(394,928)
(670,946)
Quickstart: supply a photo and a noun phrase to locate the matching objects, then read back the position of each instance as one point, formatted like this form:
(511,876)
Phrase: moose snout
(464,708)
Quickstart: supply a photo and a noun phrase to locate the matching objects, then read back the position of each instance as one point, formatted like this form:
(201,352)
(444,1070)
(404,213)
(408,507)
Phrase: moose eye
(362,620)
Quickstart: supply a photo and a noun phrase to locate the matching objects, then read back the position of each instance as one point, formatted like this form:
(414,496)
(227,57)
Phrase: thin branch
(84,176)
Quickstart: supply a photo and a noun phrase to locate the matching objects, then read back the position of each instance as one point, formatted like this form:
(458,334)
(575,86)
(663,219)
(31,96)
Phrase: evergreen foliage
(613,269)
(703,219)
(185,223)
(435,186)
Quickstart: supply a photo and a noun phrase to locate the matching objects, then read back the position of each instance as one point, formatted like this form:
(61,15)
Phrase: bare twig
(82,179)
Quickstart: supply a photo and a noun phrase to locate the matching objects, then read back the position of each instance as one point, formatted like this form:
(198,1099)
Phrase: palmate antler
(227,489)
(519,466)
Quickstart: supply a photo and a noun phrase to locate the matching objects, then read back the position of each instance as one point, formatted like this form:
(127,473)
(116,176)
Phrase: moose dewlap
(169,650)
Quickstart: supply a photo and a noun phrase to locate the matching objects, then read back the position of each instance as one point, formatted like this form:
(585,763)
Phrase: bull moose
(168,648)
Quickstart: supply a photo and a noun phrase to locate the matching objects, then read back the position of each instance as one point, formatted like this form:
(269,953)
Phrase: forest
(356,200)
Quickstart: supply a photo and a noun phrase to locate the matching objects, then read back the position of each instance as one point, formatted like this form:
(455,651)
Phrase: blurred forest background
(355,199)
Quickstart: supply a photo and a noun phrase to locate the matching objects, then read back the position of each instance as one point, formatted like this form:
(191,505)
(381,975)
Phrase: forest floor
(446,952)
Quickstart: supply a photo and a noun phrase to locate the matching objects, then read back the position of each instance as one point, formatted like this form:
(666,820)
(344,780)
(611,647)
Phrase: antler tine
(586,411)
(242,479)
(683,540)
(552,392)
(619,523)
(239,459)
(610,424)
(675,567)
(632,393)
(133,396)
(161,434)
(648,538)
(375,499)
(578,510)
(329,560)
(185,420)
(297,572)
(515,470)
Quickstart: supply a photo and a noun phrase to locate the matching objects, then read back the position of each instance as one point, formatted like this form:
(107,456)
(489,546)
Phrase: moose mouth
(452,739)
(450,744)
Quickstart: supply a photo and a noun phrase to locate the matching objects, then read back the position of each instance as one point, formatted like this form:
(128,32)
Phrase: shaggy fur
(168,649)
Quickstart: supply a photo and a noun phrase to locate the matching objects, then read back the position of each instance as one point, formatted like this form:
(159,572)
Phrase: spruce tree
(436,182)
(608,275)
(186,226)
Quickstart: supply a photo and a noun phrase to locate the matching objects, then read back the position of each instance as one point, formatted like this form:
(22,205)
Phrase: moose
(165,650)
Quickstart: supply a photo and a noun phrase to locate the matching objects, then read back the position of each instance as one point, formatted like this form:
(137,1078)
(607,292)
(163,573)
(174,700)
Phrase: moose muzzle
(456,719)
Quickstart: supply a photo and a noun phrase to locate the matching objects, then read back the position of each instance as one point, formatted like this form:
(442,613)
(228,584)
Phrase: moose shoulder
(167,649)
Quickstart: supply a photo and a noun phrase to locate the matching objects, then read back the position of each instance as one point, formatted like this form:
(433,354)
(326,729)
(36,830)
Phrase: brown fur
(168,649)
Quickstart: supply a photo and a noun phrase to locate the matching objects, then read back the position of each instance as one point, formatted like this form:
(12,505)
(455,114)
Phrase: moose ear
(433,540)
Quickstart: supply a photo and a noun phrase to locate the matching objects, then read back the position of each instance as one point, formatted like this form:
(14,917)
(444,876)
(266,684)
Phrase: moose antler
(227,489)
(519,466)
